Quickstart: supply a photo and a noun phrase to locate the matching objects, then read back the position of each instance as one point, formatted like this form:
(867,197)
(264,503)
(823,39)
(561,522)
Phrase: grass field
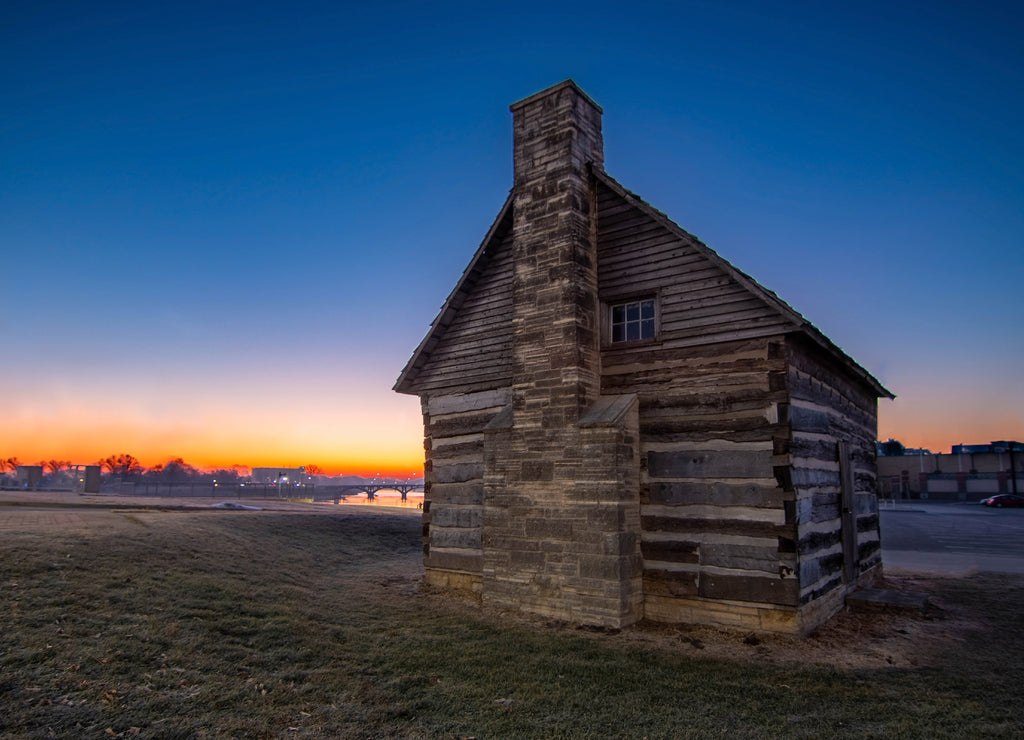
(261,624)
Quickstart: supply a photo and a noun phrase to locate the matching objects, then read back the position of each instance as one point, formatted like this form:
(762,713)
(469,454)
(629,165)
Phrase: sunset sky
(225,226)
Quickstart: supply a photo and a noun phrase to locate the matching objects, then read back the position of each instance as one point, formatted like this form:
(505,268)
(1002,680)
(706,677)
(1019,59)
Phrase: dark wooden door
(847,514)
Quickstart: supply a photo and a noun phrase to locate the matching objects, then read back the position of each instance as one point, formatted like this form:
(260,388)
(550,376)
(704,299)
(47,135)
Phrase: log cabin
(620,425)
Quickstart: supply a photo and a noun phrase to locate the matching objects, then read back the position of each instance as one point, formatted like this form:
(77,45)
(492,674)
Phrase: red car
(1004,499)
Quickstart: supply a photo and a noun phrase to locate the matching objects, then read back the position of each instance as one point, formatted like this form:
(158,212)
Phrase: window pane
(633,321)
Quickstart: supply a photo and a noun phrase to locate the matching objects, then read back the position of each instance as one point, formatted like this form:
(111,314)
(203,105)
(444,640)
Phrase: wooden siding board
(458,403)
(669,582)
(457,452)
(470,493)
(701,525)
(465,561)
(475,346)
(670,551)
(458,425)
(784,591)
(733,399)
(474,354)
(457,472)
(764,559)
(696,339)
(627,226)
(461,538)
(688,493)
(693,359)
(654,280)
(681,323)
(709,464)
(731,430)
(697,286)
(761,326)
(703,295)
(720,307)
(469,363)
(650,248)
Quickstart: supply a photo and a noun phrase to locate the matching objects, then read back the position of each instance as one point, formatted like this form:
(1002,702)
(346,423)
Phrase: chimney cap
(554,89)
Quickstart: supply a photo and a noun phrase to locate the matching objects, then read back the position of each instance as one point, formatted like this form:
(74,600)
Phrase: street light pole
(1013,469)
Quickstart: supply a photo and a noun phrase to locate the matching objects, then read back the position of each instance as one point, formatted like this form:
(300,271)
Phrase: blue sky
(226,226)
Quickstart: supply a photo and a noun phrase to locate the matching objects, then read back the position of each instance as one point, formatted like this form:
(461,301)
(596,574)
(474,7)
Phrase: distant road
(952,539)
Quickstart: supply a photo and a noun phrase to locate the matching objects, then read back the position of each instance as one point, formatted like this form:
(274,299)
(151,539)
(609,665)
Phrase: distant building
(87,478)
(990,448)
(280,476)
(30,476)
(967,473)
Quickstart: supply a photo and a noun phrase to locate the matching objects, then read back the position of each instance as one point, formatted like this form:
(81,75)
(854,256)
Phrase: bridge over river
(338,493)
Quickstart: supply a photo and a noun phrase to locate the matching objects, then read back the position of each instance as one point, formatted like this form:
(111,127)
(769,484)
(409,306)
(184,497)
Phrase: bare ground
(850,640)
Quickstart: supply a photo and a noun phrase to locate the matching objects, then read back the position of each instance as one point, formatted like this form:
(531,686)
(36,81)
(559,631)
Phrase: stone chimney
(561,476)
(556,133)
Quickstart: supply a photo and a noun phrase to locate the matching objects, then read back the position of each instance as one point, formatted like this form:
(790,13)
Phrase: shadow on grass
(286,625)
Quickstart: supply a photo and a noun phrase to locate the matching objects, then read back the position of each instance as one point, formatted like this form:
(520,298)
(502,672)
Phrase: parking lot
(952,539)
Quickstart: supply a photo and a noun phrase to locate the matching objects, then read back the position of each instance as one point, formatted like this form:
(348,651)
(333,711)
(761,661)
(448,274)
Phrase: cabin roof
(478,264)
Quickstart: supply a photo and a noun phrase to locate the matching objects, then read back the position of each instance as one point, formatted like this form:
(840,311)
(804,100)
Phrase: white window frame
(646,317)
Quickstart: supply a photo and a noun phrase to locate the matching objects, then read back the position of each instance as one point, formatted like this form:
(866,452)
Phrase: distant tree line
(128,468)
(52,467)
(176,470)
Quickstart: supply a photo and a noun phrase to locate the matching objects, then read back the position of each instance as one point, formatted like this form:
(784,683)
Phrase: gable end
(472,332)
(706,299)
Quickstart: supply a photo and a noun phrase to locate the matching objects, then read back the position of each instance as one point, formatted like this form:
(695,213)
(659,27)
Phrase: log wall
(717,536)
(828,408)
(453,485)
(739,429)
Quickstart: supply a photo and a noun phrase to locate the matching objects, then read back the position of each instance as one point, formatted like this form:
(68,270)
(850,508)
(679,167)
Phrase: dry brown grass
(263,624)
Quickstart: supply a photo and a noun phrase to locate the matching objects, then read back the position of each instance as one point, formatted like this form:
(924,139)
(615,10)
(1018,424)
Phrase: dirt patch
(850,640)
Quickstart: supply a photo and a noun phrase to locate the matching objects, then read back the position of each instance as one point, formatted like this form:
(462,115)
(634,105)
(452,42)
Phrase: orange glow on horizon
(92,452)
(385,439)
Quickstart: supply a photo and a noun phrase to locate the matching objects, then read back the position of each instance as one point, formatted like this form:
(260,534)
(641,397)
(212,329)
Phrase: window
(633,321)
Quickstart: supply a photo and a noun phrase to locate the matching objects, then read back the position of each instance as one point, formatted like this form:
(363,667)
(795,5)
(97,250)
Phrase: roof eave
(406,382)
